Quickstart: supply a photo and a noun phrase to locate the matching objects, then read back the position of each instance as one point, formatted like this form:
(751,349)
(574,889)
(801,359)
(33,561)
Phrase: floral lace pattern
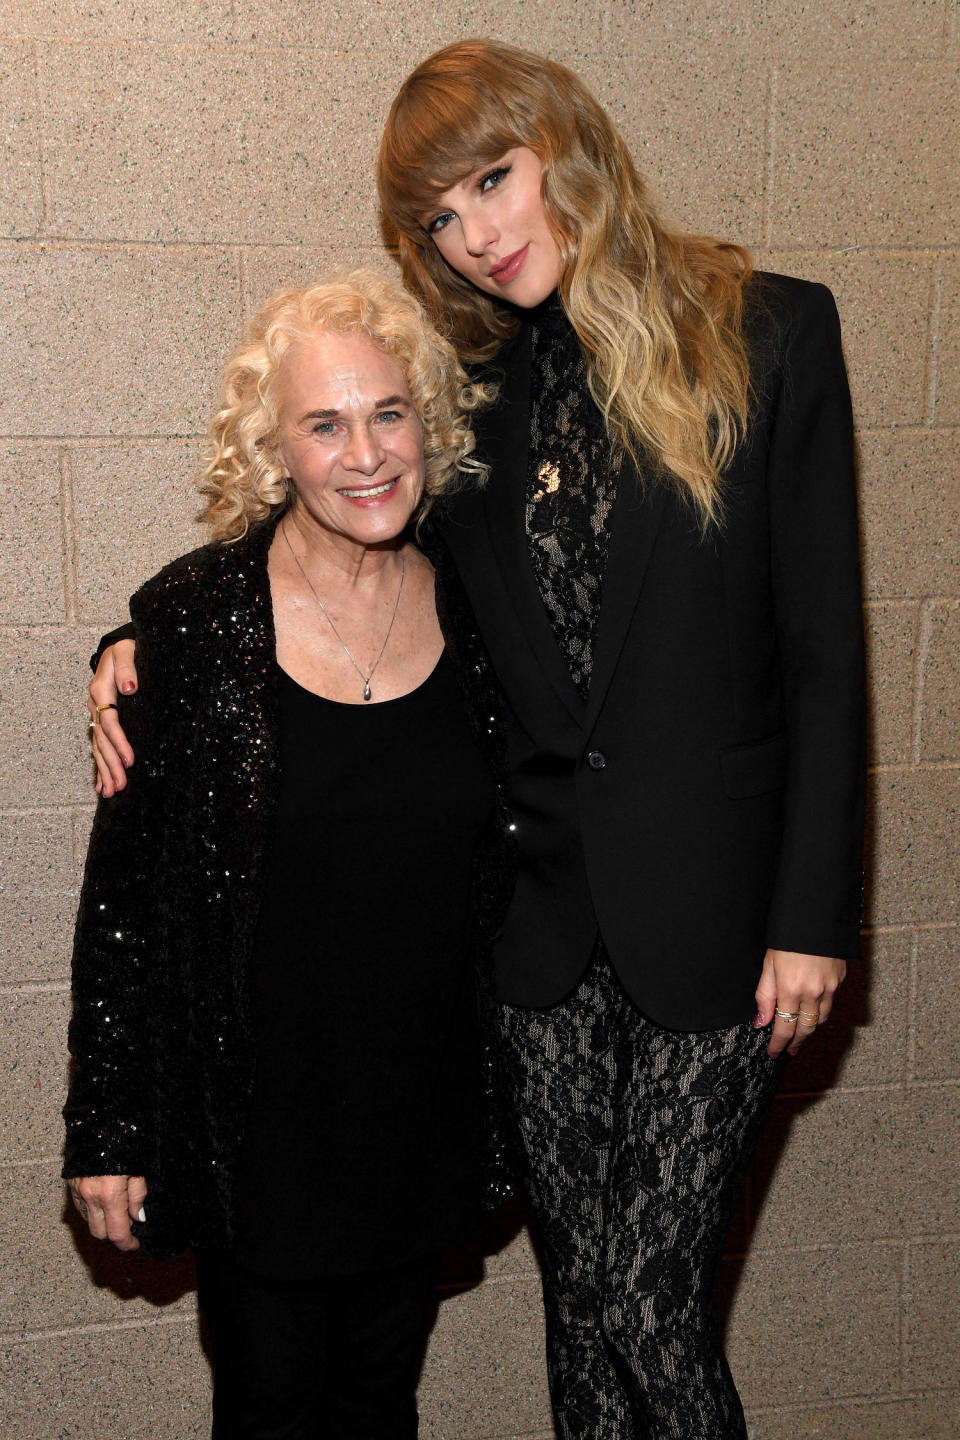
(571,482)
(637,1140)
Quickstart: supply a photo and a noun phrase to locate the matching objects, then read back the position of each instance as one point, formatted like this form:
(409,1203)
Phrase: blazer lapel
(501,508)
(637,514)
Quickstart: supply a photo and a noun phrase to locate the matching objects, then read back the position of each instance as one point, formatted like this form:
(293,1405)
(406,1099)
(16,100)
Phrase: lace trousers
(636,1142)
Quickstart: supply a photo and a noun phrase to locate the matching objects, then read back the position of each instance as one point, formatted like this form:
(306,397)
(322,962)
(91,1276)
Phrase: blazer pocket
(755,768)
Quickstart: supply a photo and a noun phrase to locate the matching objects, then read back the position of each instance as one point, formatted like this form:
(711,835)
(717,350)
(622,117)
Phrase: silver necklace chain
(366,678)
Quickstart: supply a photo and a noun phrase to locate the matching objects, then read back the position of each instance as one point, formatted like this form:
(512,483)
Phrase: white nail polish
(141,1214)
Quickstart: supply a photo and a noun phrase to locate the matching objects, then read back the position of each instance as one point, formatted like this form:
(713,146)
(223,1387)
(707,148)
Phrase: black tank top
(362,1144)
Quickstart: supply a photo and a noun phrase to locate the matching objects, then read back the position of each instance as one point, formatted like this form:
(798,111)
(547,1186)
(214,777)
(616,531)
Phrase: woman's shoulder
(784,318)
(194,584)
(774,304)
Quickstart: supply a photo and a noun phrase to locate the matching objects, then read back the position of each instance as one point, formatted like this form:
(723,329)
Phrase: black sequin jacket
(171,894)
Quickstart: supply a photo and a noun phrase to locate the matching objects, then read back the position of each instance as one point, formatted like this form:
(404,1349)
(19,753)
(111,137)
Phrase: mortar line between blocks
(46,193)
(933,342)
(924,637)
(903,1320)
(912,990)
(183,1317)
(243,270)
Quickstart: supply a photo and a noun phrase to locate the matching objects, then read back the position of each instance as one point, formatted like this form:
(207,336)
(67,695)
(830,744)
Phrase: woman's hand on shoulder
(796,992)
(108,1203)
(112,751)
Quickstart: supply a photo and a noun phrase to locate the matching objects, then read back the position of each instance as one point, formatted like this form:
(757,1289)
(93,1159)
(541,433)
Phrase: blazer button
(596,759)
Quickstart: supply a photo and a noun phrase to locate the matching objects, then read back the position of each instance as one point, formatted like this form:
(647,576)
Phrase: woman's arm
(108,1110)
(814,919)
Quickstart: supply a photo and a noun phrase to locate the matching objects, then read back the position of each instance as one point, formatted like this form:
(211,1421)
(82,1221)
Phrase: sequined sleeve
(111,1098)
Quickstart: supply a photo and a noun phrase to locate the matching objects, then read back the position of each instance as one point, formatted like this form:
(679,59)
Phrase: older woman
(275,1019)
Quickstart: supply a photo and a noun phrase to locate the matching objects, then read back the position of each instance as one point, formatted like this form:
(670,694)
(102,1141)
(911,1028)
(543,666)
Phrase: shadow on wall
(129,1275)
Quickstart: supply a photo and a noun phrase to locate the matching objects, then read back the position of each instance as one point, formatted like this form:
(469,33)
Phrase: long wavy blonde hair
(244,479)
(659,314)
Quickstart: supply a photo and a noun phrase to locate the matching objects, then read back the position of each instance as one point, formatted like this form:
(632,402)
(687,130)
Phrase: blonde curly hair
(244,479)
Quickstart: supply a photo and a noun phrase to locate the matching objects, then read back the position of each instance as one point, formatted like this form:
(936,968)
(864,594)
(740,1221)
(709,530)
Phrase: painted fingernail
(127,687)
(758,1020)
(141,1214)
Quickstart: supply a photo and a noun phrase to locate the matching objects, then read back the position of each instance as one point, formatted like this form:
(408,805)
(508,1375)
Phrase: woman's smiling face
(350,437)
(492,228)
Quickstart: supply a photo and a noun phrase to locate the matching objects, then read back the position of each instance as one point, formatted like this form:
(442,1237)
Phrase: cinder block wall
(163,167)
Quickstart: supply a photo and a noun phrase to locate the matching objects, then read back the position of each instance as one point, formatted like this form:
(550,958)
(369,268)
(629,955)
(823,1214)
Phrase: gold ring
(98,708)
(792,1016)
(810,1017)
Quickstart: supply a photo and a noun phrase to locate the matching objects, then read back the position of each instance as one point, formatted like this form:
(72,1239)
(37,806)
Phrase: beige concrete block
(115,341)
(935,1055)
(38,897)
(149,1383)
(931,1160)
(33,1073)
(817,1325)
(940,721)
(163,20)
(883,302)
(947,411)
(832,1161)
(564,32)
(864,1041)
(56,1275)
(911,856)
(46,676)
(31,550)
(657,36)
(21,193)
(867,155)
(910,510)
(134,509)
(280,267)
(891,634)
(696,131)
(485,1362)
(82,824)
(932,1329)
(933,1417)
(224,145)
(777,29)
(850,30)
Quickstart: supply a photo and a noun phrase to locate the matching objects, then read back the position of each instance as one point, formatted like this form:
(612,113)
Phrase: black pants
(337,1357)
(636,1142)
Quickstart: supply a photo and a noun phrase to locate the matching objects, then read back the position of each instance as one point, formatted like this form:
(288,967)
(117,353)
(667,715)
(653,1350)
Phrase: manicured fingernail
(758,1020)
(127,687)
(141,1214)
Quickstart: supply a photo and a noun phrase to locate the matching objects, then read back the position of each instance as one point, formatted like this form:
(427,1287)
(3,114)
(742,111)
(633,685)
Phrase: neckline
(365,706)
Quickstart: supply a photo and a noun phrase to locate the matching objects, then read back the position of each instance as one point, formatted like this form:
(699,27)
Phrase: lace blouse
(571,483)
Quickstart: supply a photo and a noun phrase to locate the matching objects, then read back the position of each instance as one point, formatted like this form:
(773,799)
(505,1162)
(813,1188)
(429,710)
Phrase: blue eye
(439,222)
(389,416)
(493,177)
(323,427)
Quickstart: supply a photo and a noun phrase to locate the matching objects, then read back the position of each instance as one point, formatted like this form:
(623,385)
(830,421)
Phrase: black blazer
(707,800)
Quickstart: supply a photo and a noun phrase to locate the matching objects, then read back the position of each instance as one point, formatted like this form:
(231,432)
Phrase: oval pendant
(367,691)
